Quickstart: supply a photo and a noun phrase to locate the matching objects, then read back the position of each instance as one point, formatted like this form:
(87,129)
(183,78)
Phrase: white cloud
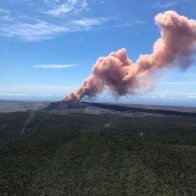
(165,5)
(38,27)
(191,96)
(32,31)
(139,22)
(60,10)
(71,6)
(88,22)
(54,66)
(5,15)
(130,23)
(41,30)
(3,10)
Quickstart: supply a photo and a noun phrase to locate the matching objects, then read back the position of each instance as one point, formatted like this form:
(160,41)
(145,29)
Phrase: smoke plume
(175,46)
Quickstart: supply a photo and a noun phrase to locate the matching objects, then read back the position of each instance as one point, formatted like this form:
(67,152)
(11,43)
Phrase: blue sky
(47,47)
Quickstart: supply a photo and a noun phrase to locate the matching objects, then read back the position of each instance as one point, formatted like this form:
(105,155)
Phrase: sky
(48,47)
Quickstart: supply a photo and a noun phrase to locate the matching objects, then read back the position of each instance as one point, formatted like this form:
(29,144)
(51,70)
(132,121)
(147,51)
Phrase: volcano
(121,109)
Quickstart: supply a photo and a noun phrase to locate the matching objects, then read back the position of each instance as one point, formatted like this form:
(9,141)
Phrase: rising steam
(175,47)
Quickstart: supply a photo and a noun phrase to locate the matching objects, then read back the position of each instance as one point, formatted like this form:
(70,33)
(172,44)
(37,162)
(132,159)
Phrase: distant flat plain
(22,106)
